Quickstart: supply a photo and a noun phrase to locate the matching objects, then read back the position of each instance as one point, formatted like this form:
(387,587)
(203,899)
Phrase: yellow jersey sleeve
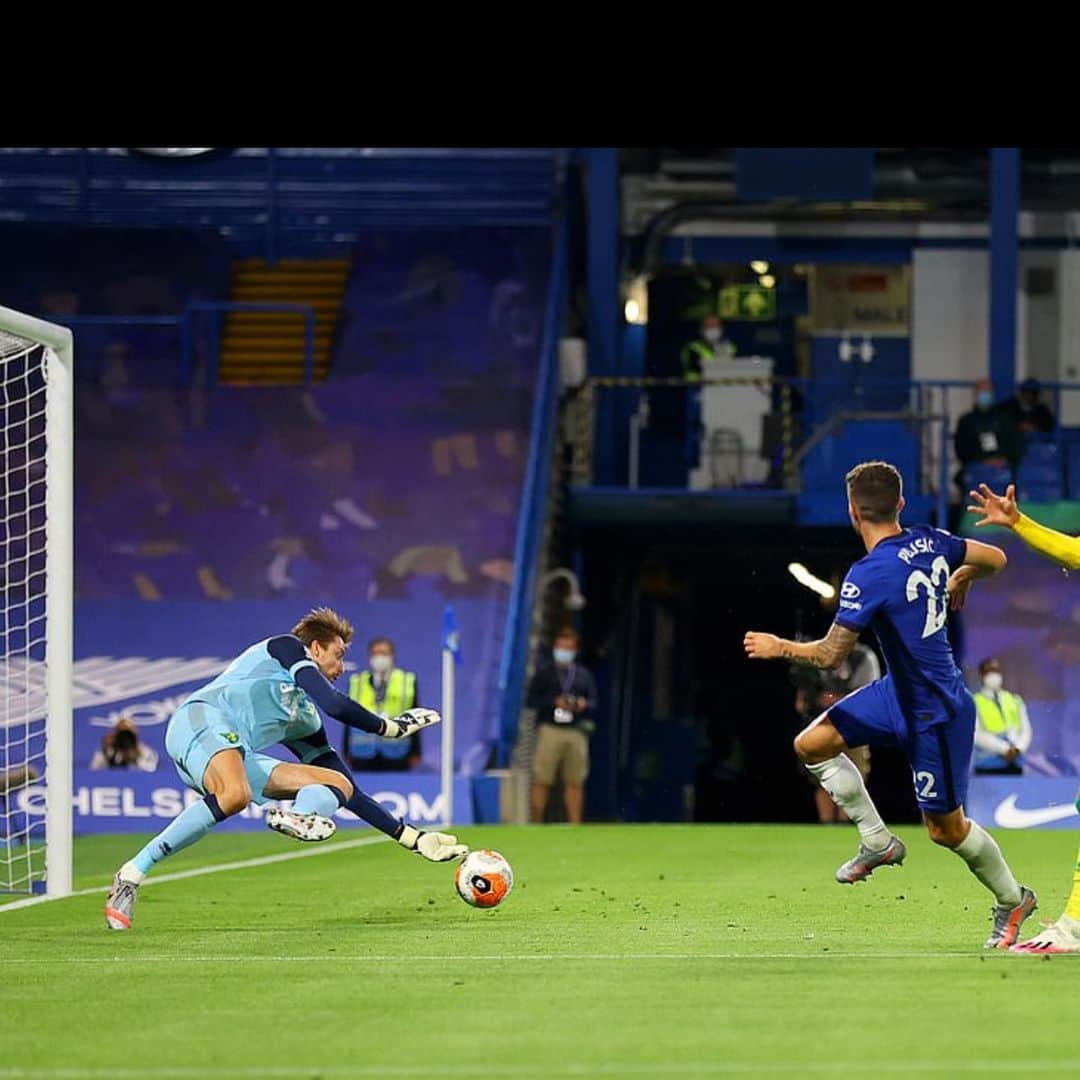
(1049,542)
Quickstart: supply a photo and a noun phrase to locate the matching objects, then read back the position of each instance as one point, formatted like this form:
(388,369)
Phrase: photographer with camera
(816,691)
(564,696)
(121,748)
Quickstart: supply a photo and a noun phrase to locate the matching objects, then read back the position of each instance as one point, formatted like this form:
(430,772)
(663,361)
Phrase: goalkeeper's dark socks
(363,806)
(367,809)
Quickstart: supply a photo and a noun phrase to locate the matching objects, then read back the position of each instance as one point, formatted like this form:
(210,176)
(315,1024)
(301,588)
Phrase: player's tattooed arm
(827,652)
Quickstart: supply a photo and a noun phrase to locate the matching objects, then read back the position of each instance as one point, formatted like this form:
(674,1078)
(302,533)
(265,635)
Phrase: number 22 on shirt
(937,597)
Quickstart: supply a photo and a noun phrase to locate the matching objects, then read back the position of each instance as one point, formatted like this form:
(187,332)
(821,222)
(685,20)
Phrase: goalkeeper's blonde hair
(323,624)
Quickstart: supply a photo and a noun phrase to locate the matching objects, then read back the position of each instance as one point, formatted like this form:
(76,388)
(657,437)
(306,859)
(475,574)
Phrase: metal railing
(803,414)
(582,403)
(534,496)
(186,323)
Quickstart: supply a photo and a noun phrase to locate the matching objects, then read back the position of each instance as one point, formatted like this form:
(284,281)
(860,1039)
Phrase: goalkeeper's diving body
(269,694)
(903,589)
(1062,936)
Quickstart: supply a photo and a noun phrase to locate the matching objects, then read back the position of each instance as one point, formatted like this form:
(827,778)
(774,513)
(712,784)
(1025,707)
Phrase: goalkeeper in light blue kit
(269,694)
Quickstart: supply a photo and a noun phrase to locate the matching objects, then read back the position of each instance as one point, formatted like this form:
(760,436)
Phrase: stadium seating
(398,479)
(995,477)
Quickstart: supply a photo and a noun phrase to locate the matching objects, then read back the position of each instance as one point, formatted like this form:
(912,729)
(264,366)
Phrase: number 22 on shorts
(925,785)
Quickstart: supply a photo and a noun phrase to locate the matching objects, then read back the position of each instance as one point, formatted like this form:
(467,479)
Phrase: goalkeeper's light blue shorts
(198,731)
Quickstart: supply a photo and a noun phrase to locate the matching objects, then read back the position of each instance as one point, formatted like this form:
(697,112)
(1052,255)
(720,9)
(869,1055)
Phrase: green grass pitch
(630,951)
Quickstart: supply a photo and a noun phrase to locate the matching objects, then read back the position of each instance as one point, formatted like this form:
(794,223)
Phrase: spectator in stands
(1002,727)
(563,694)
(987,435)
(388,690)
(121,748)
(1028,412)
(711,345)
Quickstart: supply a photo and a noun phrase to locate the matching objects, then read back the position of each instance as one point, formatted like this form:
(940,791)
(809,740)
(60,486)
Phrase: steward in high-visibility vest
(389,694)
(1002,730)
(712,345)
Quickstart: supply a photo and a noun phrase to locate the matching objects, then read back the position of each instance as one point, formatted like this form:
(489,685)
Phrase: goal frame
(59,587)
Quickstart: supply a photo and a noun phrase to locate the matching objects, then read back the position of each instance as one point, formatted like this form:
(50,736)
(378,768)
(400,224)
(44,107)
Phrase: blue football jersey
(898,590)
(261,697)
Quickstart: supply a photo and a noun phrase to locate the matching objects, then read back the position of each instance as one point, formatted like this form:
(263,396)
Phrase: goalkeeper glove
(436,846)
(408,723)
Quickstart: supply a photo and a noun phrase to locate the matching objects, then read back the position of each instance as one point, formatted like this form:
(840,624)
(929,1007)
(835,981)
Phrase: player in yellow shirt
(1062,936)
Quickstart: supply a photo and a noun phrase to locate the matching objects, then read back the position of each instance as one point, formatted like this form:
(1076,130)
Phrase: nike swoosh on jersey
(1009,816)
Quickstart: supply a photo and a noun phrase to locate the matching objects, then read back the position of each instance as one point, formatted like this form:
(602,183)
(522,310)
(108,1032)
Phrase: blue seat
(996,478)
(1033,473)
(1041,452)
(1038,494)
(1038,483)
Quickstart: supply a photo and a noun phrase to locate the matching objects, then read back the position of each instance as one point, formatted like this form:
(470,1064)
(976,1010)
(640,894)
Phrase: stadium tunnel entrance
(689,729)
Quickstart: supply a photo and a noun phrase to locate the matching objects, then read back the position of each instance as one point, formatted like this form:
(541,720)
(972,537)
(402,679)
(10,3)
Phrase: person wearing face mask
(564,697)
(1002,728)
(1030,414)
(987,435)
(386,690)
(712,345)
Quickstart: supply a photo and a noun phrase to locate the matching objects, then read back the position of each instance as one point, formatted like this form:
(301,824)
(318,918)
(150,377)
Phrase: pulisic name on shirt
(919,546)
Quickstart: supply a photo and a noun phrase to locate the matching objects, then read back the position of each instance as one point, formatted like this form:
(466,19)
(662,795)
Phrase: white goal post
(36,546)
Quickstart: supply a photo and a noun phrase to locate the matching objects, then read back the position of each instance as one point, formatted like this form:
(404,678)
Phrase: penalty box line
(201,871)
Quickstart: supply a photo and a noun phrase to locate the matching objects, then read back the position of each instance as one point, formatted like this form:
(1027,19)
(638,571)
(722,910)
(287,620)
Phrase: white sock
(980,851)
(844,784)
(130,872)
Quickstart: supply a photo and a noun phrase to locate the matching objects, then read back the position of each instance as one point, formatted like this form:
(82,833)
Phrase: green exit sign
(747,302)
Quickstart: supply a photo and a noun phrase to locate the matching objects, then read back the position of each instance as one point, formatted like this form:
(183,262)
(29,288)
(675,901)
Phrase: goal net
(36,588)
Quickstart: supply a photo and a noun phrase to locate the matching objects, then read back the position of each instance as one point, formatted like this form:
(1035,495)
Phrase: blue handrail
(533,500)
(185,320)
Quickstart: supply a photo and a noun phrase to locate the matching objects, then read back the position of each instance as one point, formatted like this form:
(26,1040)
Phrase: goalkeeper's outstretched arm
(1003,510)
(290,653)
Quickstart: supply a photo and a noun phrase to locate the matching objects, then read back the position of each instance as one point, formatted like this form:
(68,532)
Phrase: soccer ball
(484,879)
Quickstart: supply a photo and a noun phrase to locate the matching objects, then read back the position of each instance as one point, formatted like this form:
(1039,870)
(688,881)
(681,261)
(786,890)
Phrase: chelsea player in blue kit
(903,590)
(267,695)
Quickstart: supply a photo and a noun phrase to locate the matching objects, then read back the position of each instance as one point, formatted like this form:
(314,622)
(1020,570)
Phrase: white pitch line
(434,958)
(604,1068)
(200,871)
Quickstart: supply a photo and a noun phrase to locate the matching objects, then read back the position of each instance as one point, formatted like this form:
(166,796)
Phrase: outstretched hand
(761,646)
(995,509)
(409,722)
(440,847)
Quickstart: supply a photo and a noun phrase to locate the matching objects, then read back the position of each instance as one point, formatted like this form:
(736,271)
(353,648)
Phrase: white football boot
(1059,938)
(120,906)
(311,827)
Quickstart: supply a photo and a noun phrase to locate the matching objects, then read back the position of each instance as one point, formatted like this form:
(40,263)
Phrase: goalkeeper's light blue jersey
(259,696)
